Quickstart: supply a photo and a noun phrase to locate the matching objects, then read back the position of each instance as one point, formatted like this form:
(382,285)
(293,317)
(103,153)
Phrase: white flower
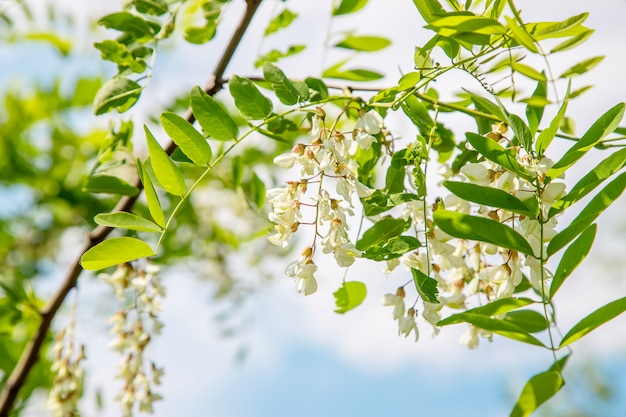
(432,312)
(470,338)
(370,122)
(476,173)
(286,160)
(303,270)
(345,254)
(407,324)
(365,140)
(397,301)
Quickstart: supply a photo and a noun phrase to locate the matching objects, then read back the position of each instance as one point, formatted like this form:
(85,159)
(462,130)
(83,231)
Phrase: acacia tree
(315,158)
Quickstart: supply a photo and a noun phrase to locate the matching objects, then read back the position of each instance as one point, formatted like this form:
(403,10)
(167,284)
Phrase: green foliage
(537,391)
(214,119)
(349,296)
(115,251)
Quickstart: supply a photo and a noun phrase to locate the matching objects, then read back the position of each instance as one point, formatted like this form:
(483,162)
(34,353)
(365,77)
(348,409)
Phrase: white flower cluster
(462,268)
(132,338)
(330,155)
(68,376)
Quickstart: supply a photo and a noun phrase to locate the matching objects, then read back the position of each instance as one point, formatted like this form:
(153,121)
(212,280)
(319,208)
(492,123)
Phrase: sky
(299,357)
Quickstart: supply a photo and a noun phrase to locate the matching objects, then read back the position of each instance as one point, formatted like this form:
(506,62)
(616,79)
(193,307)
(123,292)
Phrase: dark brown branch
(30,355)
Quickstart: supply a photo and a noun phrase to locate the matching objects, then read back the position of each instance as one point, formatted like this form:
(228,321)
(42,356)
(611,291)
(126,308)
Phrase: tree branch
(31,352)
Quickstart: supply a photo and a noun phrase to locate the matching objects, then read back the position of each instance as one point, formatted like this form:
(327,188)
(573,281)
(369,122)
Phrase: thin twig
(31,352)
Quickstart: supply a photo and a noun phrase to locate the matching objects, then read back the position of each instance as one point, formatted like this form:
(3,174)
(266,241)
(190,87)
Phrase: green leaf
(115,251)
(429,9)
(545,137)
(521,35)
(600,129)
(537,390)
(470,27)
(255,190)
(358,74)
(280,21)
(484,105)
(494,308)
(379,202)
(189,140)
(285,89)
(490,149)
(119,54)
(213,118)
(609,166)
(126,220)
(154,206)
(381,232)
(364,43)
(563,28)
(165,170)
(521,131)
(109,184)
(318,89)
(594,320)
(582,67)
(393,248)
(276,55)
(128,23)
(536,105)
(527,320)
(153,7)
(349,296)
(528,71)
(501,327)
(118,93)
(349,6)
(572,257)
(573,41)
(468,227)
(587,216)
(248,99)
(425,286)
(488,196)
(199,35)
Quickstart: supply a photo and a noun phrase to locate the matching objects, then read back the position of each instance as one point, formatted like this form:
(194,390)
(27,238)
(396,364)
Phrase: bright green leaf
(128,23)
(572,257)
(528,320)
(521,35)
(349,296)
(118,93)
(248,99)
(521,131)
(276,55)
(154,206)
(381,232)
(393,248)
(598,131)
(573,41)
(491,150)
(547,135)
(537,390)
(109,185)
(349,6)
(364,43)
(609,166)
(425,286)
(561,28)
(465,226)
(536,105)
(165,170)
(597,205)
(358,74)
(488,196)
(280,21)
(594,320)
(582,67)
(494,308)
(501,327)
(212,116)
(285,89)
(189,140)
(126,220)
(115,251)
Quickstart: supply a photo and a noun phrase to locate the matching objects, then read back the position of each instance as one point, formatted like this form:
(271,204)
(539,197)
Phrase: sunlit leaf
(115,251)
(349,296)
(349,6)
(358,74)
(364,43)
(465,226)
(597,205)
(109,184)
(280,21)
(572,257)
(594,320)
(547,135)
(609,166)
(118,93)
(189,140)
(154,206)
(521,35)
(521,131)
(393,248)
(537,390)
(598,131)
(284,88)
(488,196)
(248,99)
(582,67)
(426,286)
(491,150)
(126,220)
(212,116)
(573,41)
(165,170)
(528,320)
(494,308)
(381,232)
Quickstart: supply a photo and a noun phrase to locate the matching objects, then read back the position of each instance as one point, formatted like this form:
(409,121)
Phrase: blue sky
(304,360)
